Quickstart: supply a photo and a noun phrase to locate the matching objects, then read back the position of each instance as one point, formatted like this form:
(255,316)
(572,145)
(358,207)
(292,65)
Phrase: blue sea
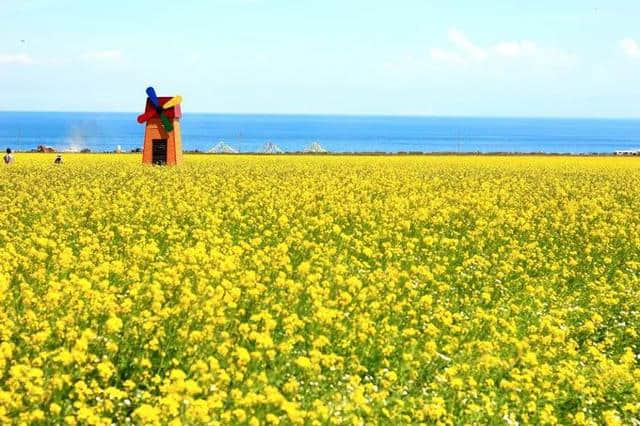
(23,131)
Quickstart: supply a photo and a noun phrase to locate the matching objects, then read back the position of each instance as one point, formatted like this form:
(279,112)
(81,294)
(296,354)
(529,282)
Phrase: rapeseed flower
(320,290)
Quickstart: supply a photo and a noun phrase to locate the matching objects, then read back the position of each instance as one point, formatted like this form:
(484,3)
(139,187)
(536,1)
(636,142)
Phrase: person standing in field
(58,159)
(8,157)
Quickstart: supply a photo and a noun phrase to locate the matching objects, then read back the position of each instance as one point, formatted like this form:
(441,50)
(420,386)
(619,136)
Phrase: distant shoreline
(134,114)
(356,154)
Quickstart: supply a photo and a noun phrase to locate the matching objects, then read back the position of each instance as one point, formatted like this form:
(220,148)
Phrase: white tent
(315,147)
(271,148)
(222,148)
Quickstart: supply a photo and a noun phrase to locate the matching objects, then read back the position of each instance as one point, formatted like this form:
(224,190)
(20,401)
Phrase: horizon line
(325,114)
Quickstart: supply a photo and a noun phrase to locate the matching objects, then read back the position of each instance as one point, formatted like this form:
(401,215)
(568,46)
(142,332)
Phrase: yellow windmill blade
(172,102)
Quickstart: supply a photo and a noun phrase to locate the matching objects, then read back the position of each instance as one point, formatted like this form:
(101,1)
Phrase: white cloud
(516,48)
(545,56)
(466,51)
(16,58)
(466,46)
(630,47)
(442,55)
(103,56)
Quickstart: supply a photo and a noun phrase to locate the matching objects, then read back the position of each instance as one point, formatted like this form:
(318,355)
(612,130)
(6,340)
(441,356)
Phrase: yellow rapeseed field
(320,290)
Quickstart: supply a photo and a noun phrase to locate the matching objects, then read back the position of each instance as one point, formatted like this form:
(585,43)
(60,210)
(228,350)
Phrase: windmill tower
(162,139)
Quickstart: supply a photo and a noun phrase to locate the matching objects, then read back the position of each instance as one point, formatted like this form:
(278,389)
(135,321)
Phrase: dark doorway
(159,151)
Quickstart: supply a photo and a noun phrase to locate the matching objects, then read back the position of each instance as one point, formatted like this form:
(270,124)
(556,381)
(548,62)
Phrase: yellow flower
(243,356)
(611,418)
(302,289)
(113,324)
(55,409)
(37,415)
(105,370)
(303,362)
(303,268)
(147,414)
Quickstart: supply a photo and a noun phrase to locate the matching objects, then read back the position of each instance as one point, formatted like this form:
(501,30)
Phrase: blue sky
(575,58)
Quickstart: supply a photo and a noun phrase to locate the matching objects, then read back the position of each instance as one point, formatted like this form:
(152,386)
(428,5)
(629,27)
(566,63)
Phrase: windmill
(162,138)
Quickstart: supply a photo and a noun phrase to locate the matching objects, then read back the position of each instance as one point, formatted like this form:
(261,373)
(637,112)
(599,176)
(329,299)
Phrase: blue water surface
(248,133)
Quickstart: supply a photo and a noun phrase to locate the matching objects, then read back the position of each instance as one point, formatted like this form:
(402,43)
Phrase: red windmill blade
(170,113)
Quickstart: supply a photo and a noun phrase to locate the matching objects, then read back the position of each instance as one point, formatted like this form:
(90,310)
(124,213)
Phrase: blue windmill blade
(152,95)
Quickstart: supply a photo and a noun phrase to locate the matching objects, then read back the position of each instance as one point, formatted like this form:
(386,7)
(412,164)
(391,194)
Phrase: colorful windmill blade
(152,95)
(146,116)
(166,123)
(156,103)
(176,100)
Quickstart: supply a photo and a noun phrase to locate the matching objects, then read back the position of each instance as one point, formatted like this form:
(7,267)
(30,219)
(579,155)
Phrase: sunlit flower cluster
(320,290)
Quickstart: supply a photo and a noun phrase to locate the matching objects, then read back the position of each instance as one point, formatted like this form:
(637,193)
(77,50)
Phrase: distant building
(628,152)
(315,147)
(45,148)
(271,148)
(222,148)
